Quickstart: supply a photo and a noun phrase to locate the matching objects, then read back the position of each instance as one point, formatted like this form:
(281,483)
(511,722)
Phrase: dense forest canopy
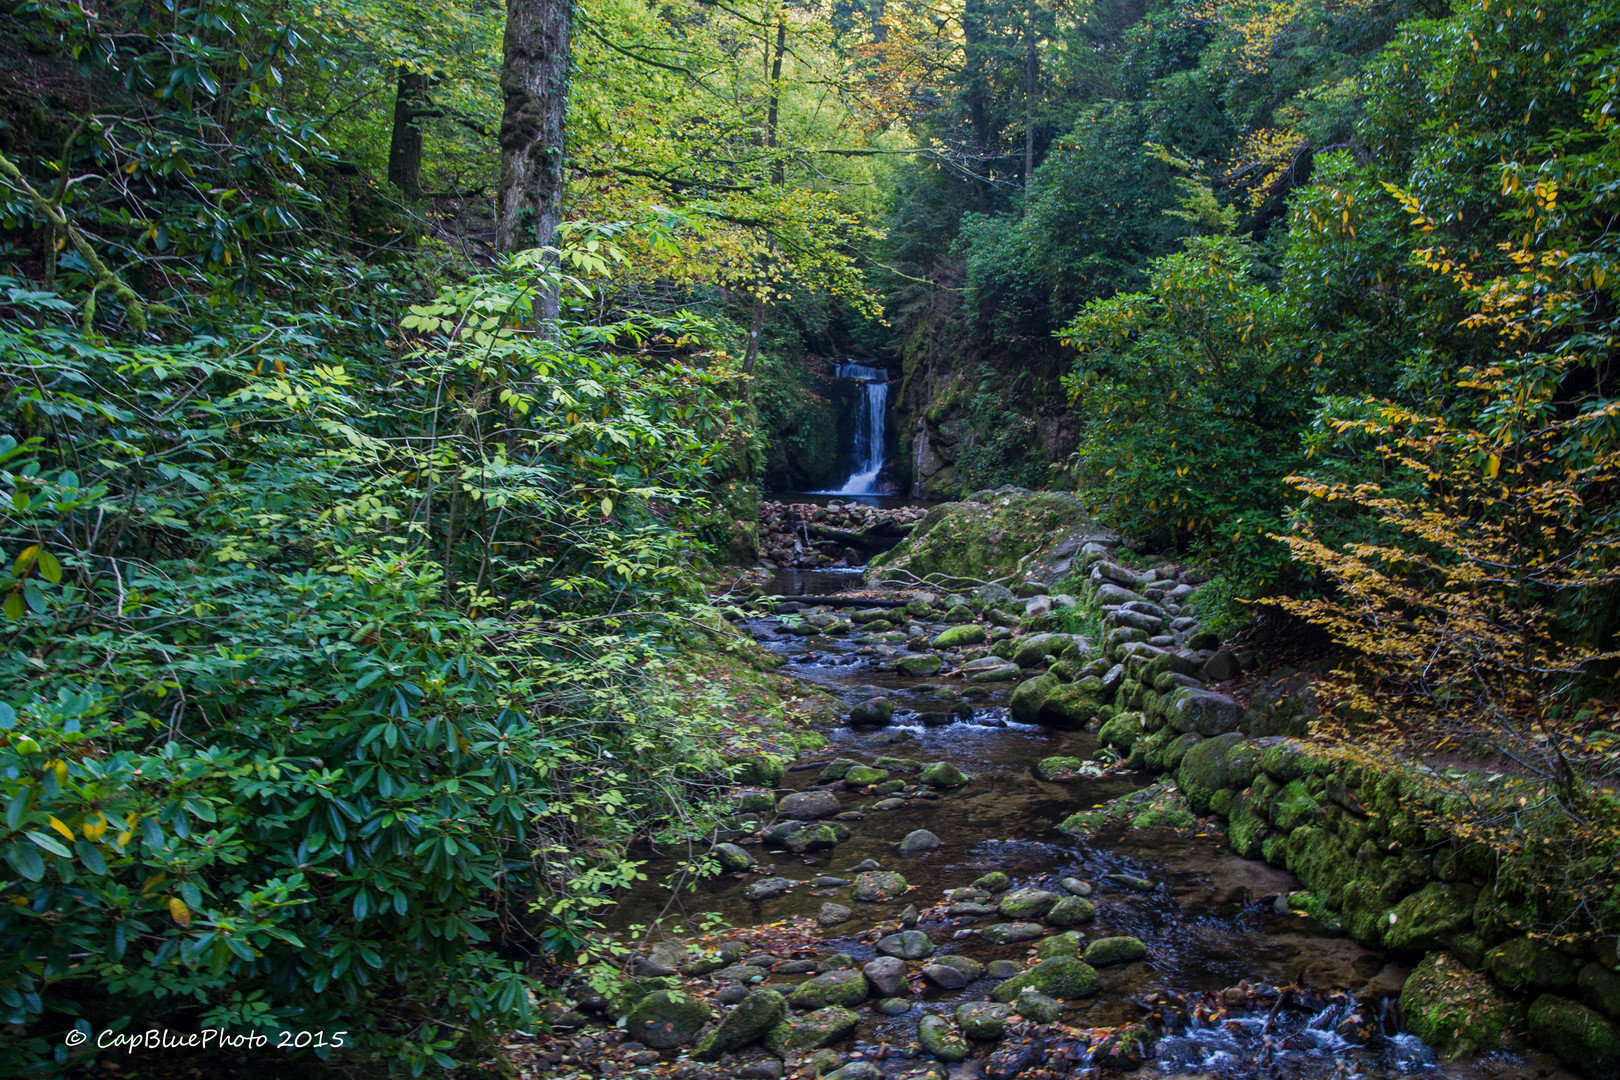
(377,376)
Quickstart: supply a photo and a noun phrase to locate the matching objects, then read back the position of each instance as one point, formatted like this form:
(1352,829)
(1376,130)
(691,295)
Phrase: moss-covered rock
(748,1023)
(942,774)
(1203,770)
(993,882)
(1245,830)
(760,770)
(1522,964)
(1067,705)
(1454,1009)
(918,666)
(1034,650)
(956,637)
(1064,770)
(1071,911)
(1122,731)
(662,1019)
(983,1021)
(983,540)
(842,986)
(861,775)
(1059,977)
(1067,943)
(1027,904)
(812,1031)
(876,886)
(1028,697)
(1600,984)
(1579,1036)
(1038,1007)
(731,857)
(938,1037)
(1428,918)
(1114,950)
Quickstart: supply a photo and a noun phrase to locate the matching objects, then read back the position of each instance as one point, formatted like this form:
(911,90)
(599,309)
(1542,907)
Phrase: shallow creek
(1209,920)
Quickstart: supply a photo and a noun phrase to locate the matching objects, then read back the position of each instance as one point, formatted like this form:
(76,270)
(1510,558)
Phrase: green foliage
(327,659)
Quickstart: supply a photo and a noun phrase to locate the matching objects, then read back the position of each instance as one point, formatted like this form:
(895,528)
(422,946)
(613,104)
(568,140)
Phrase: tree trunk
(534,83)
(1029,97)
(880,29)
(405,142)
(778,171)
(974,49)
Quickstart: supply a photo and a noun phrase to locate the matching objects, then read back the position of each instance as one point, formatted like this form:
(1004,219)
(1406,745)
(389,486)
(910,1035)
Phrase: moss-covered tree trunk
(534,84)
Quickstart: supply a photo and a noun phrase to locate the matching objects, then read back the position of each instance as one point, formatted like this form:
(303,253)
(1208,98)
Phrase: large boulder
(1070,705)
(873,713)
(907,945)
(983,539)
(1033,650)
(957,636)
(1029,696)
(1454,1009)
(942,774)
(876,886)
(937,1037)
(886,974)
(1027,904)
(812,1031)
(1583,1038)
(808,805)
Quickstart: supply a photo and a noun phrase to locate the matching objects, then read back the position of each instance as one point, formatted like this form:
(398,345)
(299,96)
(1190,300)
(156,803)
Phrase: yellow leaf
(1493,466)
(179,912)
(95,826)
(61,828)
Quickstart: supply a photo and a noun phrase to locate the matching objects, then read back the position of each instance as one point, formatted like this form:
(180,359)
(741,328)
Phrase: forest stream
(1233,983)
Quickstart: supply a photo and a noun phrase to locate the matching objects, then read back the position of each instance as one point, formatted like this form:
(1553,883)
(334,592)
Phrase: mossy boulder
(1059,769)
(956,637)
(983,539)
(758,770)
(731,857)
(918,666)
(1067,705)
(1428,918)
(1071,911)
(748,1023)
(952,972)
(663,1020)
(1581,1037)
(841,986)
(942,774)
(1029,696)
(1203,769)
(1027,904)
(1245,830)
(993,882)
(1453,1009)
(938,1037)
(1034,649)
(1067,943)
(983,1021)
(1007,933)
(874,713)
(1114,950)
(1522,964)
(812,1031)
(1059,977)
(1122,731)
(1038,1007)
(1202,712)
(862,775)
(906,945)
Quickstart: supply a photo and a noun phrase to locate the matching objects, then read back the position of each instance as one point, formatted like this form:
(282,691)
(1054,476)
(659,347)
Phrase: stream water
(1217,944)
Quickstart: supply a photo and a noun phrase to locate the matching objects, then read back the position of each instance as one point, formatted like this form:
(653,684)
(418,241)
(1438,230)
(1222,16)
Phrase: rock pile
(805,536)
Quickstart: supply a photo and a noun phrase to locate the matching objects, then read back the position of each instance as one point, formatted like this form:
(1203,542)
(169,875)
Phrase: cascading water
(869,427)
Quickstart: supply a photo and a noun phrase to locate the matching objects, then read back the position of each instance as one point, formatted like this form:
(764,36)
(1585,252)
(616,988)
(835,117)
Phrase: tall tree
(534,86)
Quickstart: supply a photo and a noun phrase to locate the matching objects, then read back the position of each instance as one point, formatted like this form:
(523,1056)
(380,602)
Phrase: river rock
(1059,977)
(952,972)
(731,993)
(942,774)
(838,961)
(1033,650)
(823,1027)
(966,633)
(1065,769)
(862,775)
(749,1022)
(1068,943)
(810,838)
(918,666)
(808,805)
(832,914)
(874,886)
(1203,712)
(767,1068)
(939,1038)
(1002,969)
(1038,1007)
(983,1021)
(918,840)
(854,1070)
(893,1006)
(839,987)
(907,945)
(999,673)
(993,882)
(1007,933)
(768,888)
(661,1021)
(887,974)
(1026,904)
(1070,705)
(1125,1049)
(873,713)
(1071,911)
(1076,887)
(888,804)
(1028,697)
(1114,950)
(731,857)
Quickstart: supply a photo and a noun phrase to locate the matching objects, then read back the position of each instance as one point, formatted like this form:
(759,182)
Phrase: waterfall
(869,427)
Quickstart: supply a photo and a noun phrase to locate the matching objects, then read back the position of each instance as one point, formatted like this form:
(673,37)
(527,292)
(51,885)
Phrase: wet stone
(952,972)
(919,840)
(768,888)
(893,1006)
(887,974)
(907,945)
(1025,904)
(808,805)
(1002,969)
(795,967)
(983,1021)
(1007,933)
(889,804)
(940,1039)
(874,886)
(1076,887)
(832,914)
(1114,950)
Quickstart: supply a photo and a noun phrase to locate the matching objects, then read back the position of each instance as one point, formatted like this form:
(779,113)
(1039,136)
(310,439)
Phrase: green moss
(1429,917)
(1579,1036)
(1122,731)
(1453,1009)
(1059,977)
(983,540)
